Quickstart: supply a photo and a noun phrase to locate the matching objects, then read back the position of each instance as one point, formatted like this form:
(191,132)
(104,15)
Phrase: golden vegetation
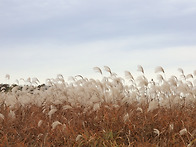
(107,112)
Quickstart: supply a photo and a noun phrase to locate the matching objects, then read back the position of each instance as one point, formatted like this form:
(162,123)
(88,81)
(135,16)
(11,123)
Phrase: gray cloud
(73,35)
(80,21)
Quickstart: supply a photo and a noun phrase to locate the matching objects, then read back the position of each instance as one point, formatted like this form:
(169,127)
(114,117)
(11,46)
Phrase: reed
(113,111)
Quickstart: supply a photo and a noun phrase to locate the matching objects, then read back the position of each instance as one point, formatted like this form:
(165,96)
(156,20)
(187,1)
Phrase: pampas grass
(55,124)
(159,69)
(108,69)
(97,69)
(107,112)
(1,116)
(140,69)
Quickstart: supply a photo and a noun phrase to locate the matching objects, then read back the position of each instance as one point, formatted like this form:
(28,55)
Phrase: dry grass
(89,112)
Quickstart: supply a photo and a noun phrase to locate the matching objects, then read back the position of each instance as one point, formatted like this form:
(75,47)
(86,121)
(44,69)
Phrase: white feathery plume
(3,88)
(108,69)
(22,79)
(171,127)
(194,82)
(51,112)
(189,83)
(15,89)
(52,107)
(49,82)
(17,82)
(95,99)
(139,109)
(183,77)
(44,110)
(189,76)
(156,131)
(60,76)
(11,101)
(181,71)
(72,78)
(40,123)
(154,104)
(128,75)
(194,72)
(97,69)
(142,81)
(106,106)
(140,69)
(183,131)
(126,117)
(115,105)
(172,81)
(12,115)
(159,69)
(96,106)
(165,87)
(55,124)
(35,81)
(2,116)
(39,135)
(79,76)
(190,144)
(78,137)
(67,107)
(160,78)
(28,80)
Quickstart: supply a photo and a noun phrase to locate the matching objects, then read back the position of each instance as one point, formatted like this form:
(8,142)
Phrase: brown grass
(116,123)
(105,127)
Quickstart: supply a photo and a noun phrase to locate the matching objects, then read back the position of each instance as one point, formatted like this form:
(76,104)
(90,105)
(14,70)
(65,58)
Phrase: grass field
(111,112)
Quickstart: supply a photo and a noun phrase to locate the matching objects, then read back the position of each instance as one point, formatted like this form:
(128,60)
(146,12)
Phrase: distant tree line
(7,87)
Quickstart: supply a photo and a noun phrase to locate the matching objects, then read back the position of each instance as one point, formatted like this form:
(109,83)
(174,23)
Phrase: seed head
(55,124)
(159,69)
(183,131)
(140,69)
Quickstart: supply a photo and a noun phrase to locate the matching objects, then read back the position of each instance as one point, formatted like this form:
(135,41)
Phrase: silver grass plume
(55,124)
(160,78)
(194,72)
(97,69)
(108,69)
(189,76)
(156,131)
(140,69)
(181,71)
(159,69)
(128,75)
(79,76)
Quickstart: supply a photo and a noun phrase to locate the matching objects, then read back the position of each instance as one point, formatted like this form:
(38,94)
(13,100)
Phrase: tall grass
(113,111)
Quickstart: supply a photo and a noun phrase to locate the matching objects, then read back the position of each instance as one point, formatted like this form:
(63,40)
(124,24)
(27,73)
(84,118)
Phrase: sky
(43,38)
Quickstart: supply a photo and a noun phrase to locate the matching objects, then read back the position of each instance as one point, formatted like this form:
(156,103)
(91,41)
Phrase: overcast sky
(43,38)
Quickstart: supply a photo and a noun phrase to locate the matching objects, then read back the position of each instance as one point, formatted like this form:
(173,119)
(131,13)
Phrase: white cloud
(119,54)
